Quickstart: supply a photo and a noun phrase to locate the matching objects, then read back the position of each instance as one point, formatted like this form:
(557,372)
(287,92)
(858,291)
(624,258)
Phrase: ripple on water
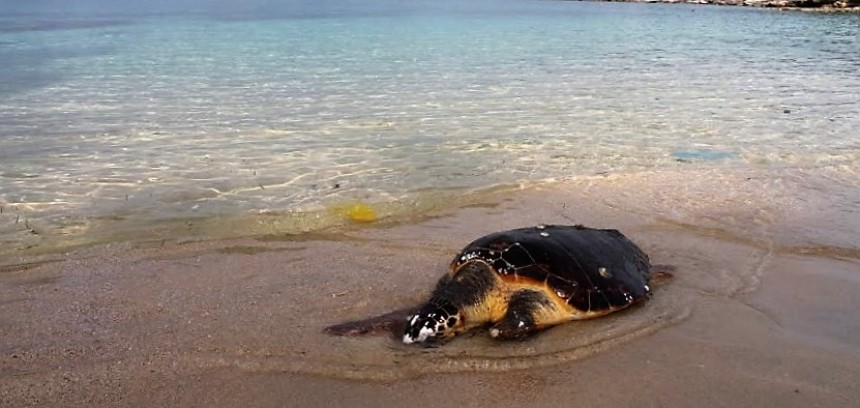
(385,358)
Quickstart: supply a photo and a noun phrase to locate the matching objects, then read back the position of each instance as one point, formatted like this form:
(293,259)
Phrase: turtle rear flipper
(662,273)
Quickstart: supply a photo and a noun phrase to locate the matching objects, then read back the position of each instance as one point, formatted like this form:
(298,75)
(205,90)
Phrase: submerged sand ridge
(228,322)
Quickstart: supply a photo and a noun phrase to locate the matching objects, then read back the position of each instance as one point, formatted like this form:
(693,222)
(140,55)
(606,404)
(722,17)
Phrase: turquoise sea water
(115,119)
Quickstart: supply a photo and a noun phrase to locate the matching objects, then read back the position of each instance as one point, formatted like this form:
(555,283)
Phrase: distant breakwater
(834,6)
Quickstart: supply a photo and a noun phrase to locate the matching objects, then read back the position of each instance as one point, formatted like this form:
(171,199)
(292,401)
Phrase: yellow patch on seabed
(357,212)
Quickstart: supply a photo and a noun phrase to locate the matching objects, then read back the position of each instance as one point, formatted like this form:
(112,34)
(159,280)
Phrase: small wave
(385,359)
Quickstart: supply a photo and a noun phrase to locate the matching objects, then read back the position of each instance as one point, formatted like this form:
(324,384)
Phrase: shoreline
(239,321)
(28,244)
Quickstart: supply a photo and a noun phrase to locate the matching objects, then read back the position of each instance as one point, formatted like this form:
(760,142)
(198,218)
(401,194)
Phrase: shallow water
(196,121)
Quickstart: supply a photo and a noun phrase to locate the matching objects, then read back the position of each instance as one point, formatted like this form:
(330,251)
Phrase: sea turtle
(527,279)
(520,281)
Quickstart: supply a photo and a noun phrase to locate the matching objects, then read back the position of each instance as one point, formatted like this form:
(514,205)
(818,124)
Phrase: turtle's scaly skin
(523,280)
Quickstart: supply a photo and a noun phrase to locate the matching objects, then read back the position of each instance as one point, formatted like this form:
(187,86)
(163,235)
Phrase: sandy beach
(193,191)
(752,318)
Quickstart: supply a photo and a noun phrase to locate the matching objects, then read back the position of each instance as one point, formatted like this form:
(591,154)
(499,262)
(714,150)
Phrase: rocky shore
(808,5)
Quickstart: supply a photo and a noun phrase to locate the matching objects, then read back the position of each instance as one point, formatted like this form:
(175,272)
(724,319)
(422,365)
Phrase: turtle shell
(590,269)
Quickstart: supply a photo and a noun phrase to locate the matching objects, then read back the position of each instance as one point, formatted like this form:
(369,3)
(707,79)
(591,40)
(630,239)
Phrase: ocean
(198,120)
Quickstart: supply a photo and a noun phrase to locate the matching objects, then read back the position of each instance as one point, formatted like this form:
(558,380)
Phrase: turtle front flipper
(391,323)
(527,314)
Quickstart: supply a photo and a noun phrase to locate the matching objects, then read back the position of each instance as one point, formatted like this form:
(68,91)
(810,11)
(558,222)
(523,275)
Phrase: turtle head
(435,322)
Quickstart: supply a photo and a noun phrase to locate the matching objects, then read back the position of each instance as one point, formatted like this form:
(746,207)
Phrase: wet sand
(761,311)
